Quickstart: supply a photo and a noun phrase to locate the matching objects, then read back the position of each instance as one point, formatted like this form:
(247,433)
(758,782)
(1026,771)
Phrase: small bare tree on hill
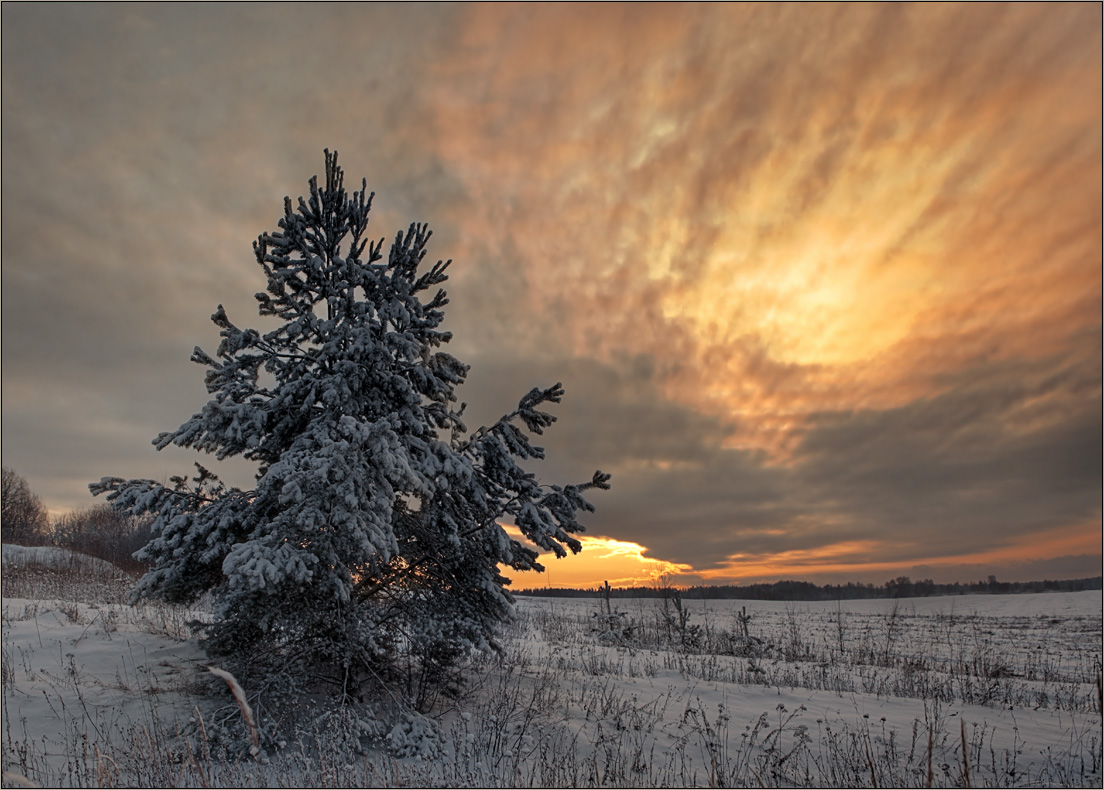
(22,515)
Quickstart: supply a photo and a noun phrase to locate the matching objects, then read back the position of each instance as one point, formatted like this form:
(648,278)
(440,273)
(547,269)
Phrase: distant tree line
(790,590)
(97,531)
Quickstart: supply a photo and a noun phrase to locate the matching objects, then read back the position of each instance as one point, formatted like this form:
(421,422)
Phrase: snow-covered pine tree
(371,539)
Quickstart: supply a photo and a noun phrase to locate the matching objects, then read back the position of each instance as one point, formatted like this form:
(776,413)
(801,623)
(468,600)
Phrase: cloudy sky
(823,284)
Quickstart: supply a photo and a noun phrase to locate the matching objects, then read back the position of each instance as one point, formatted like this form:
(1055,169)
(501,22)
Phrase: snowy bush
(369,547)
(415,736)
(613,628)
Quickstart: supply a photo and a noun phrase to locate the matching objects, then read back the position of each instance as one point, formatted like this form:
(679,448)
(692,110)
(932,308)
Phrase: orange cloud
(855,558)
(788,219)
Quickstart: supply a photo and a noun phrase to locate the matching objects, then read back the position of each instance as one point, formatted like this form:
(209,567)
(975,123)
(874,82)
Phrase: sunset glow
(621,563)
(822,283)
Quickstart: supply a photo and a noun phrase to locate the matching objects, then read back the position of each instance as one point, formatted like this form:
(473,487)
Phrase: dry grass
(554,710)
(82,580)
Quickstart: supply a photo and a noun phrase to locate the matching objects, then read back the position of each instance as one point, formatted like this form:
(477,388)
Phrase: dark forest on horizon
(789,590)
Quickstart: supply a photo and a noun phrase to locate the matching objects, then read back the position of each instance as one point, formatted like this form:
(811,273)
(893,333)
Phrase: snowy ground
(970,690)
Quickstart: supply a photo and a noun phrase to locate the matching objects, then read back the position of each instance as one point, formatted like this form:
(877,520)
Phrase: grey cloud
(1002,455)
(675,490)
(1005,453)
(611,416)
(146,146)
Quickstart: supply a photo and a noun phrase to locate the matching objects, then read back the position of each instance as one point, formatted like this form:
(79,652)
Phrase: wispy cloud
(822,284)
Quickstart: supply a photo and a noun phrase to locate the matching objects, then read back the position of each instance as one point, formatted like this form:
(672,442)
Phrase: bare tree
(101,531)
(23,515)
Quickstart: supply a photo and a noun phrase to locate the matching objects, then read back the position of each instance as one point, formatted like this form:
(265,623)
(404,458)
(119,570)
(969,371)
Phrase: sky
(822,283)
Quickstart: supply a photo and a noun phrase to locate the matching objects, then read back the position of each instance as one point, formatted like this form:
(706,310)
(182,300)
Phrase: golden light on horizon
(625,564)
(621,563)
(853,557)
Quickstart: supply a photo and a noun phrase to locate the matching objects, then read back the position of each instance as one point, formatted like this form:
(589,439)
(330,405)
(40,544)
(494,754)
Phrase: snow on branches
(371,501)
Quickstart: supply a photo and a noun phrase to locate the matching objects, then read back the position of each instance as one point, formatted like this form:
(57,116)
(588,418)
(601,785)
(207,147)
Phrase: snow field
(91,691)
(978,690)
(792,708)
